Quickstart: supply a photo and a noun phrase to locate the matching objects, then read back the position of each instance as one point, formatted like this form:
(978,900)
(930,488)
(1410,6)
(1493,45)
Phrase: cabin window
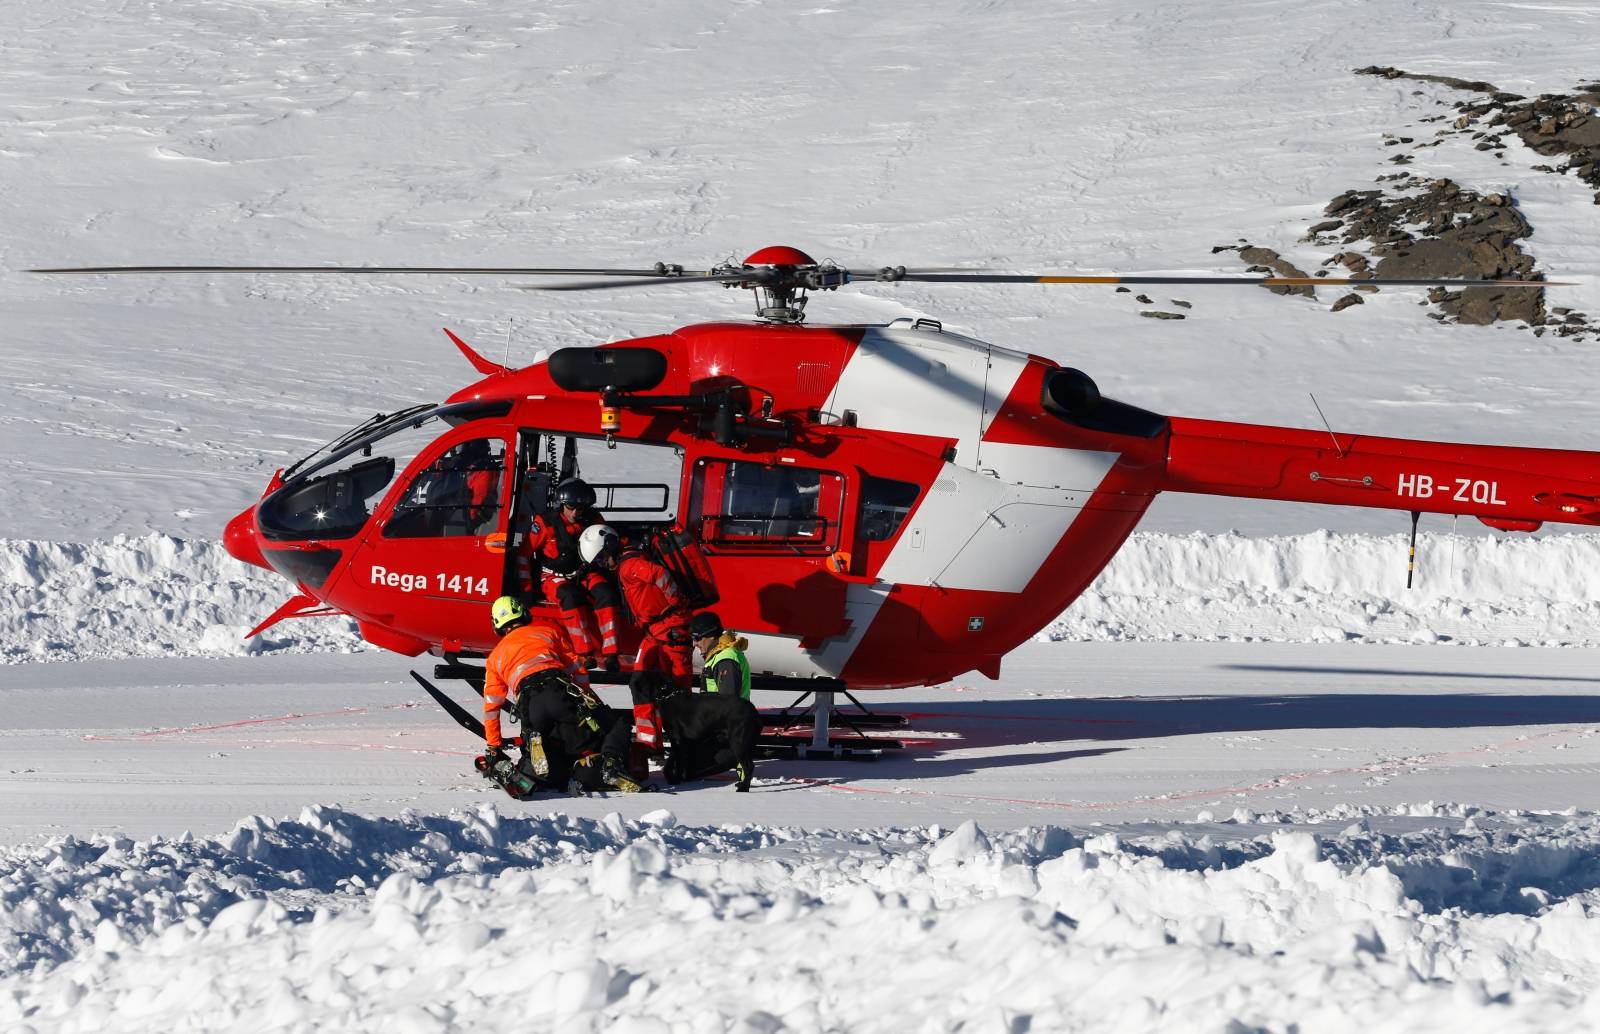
(885,503)
(740,506)
(457,495)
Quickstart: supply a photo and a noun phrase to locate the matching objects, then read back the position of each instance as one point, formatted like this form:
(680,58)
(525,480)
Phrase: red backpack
(675,550)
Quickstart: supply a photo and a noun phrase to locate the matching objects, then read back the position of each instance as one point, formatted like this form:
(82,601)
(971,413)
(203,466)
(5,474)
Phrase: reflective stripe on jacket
(651,593)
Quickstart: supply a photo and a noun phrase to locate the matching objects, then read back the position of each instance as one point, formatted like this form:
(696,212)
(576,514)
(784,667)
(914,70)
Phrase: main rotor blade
(448,270)
(1203,281)
(612,285)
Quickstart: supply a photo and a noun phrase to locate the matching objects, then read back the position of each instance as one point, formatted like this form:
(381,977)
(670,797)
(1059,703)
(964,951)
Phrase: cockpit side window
(457,495)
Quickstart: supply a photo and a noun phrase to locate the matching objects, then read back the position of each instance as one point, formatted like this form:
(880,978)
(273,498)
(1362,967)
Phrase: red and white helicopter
(882,506)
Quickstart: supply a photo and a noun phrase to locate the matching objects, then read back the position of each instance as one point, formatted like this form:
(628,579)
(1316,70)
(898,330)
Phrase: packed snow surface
(1174,836)
(1269,860)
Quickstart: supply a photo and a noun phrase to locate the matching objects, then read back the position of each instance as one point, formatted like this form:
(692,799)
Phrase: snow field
(160,596)
(145,596)
(336,921)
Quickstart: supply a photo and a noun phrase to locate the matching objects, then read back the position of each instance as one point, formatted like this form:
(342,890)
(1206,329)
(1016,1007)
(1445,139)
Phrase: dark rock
(1142,299)
(1345,302)
(1180,303)
(1271,261)
(1328,226)
(1475,86)
(1152,314)
(1350,198)
(1123,290)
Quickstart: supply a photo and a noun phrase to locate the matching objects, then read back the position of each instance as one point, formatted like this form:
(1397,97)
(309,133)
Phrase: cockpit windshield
(378,424)
(331,493)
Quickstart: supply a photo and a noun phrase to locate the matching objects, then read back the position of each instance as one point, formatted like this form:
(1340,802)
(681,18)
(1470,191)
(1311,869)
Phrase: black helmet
(576,493)
(706,625)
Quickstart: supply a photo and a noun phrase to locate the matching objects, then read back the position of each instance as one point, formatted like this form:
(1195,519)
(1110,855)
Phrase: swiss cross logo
(974,624)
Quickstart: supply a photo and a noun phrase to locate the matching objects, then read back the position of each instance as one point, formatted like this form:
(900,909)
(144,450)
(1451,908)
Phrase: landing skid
(790,738)
(821,743)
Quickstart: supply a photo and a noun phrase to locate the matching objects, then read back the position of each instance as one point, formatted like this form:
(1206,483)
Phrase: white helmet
(599,540)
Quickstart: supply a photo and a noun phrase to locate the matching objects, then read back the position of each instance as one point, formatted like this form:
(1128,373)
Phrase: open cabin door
(636,485)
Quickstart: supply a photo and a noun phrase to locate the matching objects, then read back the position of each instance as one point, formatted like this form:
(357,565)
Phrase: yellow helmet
(507,613)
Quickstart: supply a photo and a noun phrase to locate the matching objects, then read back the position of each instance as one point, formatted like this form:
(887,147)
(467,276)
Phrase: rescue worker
(657,608)
(724,667)
(588,600)
(534,668)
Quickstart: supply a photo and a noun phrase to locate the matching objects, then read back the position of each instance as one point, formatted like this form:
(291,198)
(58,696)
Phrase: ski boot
(499,769)
(745,775)
(615,775)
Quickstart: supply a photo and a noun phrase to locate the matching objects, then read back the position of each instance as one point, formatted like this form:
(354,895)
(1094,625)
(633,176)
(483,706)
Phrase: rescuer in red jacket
(657,608)
(587,599)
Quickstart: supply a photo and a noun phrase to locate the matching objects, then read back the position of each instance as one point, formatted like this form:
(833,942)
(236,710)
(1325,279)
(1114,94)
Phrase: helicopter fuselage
(890,505)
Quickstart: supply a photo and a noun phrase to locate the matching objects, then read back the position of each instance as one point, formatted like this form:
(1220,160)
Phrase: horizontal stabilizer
(297,606)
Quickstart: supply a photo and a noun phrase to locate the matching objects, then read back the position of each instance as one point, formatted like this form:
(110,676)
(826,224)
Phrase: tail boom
(1506,487)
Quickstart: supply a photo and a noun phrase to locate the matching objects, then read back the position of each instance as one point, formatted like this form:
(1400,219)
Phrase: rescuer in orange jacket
(533,667)
(587,599)
(657,608)
(525,648)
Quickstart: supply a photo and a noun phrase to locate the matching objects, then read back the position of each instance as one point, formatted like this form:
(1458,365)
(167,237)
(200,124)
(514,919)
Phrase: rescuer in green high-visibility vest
(725,670)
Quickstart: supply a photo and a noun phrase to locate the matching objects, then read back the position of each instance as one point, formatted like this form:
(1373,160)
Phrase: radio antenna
(1337,448)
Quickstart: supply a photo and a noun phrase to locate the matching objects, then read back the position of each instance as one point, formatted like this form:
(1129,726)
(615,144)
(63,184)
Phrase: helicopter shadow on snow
(1120,719)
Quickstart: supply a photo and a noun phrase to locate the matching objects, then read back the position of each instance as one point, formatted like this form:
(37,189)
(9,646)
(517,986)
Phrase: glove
(611,663)
(490,757)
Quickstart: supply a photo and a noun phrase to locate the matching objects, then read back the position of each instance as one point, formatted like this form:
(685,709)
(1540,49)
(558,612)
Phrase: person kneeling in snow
(535,669)
(707,732)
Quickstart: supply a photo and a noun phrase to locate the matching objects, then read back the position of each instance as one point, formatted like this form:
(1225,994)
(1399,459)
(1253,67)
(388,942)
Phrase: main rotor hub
(780,276)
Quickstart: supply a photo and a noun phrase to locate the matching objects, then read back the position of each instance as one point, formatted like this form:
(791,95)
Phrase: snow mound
(157,595)
(1320,587)
(145,596)
(442,922)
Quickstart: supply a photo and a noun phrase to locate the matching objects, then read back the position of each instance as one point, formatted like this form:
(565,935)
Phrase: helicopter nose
(239,539)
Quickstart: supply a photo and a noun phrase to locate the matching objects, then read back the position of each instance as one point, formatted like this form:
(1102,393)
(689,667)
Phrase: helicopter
(881,506)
